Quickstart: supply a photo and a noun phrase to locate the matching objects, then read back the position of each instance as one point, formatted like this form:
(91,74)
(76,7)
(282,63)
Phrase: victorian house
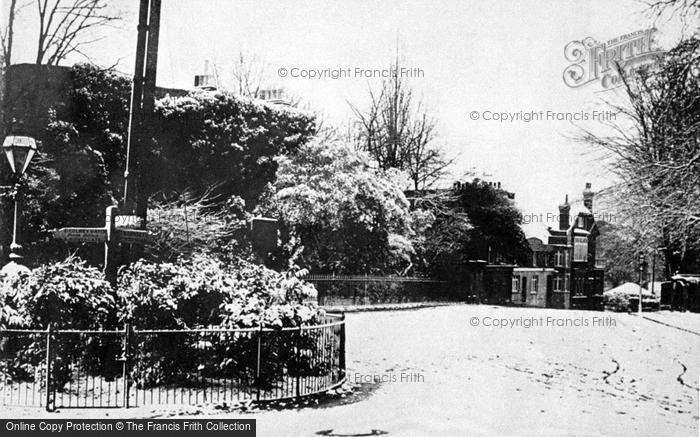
(562,272)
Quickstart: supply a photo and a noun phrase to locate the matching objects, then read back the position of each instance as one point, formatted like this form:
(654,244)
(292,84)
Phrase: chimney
(564,209)
(588,197)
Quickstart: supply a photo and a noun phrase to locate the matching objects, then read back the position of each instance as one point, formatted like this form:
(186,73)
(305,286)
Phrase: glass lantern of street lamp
(19,151)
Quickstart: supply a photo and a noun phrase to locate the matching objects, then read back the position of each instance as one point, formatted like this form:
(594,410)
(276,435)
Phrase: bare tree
(658,159)
(64,24)
(685,9)
(251,79)
(248,75)
(7,34)
(398,131)
(184,224)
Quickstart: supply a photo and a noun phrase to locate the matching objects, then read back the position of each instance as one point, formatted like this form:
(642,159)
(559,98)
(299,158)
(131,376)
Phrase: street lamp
(19,151)
(642,262)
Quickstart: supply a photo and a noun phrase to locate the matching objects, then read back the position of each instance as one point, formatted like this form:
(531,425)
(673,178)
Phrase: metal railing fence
(128,367)
(343,290)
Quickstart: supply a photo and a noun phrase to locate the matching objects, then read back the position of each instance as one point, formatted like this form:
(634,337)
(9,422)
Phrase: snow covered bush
(69,295)
(203,292)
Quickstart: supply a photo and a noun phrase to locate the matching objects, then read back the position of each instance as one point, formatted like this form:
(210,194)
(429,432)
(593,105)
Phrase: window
(516,284)
(556,283)
(535,284)
(567,258)
(558,258)
(580,249)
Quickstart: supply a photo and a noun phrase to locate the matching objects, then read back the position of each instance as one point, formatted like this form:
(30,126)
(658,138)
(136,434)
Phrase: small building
(497,284)
(683,294)
(533,286)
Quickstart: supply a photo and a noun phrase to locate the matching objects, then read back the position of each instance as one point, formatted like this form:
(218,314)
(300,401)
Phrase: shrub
(201,292)
(10,317)
(69,295)
(619,300)
(196,292)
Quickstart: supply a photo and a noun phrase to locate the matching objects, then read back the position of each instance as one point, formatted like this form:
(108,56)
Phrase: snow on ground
(448,371)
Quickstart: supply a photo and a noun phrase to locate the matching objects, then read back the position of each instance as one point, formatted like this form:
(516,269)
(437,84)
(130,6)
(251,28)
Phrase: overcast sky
(500,56)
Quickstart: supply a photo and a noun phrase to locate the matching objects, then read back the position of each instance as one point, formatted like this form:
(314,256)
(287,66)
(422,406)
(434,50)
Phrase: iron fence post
(49,333)
(257,364)
(298,365)
(125,365)
(364,295)
(342,346)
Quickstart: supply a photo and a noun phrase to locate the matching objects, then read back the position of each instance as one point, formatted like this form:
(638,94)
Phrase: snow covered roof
(577,208)
(536,230)
(692,279)
(628,288)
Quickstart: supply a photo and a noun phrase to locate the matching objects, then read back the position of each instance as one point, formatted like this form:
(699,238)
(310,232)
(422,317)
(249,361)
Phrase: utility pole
(135,110)
(149,93)
(141,119)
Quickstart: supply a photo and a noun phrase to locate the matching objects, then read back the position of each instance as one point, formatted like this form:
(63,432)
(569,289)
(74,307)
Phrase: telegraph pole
(135,109)
(141,119)
(149,93)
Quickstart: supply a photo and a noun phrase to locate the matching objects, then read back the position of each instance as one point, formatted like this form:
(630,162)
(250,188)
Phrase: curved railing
(130,367)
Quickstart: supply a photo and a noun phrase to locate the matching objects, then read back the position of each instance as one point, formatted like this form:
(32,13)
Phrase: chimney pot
(564,209)
(588,197)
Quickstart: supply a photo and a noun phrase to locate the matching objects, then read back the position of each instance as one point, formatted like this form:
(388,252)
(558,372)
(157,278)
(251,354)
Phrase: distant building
(484,280)
(274,95)
(206,81)
(564,260)
(416,196)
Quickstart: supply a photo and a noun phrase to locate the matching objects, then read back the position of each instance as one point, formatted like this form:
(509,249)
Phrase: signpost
(81,235)
(128,221)
(111,235)
(132,236)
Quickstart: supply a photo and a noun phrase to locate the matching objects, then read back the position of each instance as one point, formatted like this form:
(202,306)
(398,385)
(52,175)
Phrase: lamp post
(19,151)
(641,271)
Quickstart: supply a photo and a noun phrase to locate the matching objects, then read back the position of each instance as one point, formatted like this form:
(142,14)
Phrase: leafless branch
(63,24)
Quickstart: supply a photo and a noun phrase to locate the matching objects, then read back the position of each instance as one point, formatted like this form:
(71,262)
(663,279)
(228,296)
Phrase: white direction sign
(132,236)
(127,221)
(81,235)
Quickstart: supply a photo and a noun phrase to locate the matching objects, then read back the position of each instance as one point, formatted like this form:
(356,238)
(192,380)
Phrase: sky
(471,57)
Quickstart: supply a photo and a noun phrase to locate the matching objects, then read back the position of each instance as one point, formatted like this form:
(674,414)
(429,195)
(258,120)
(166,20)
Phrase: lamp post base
(13,268)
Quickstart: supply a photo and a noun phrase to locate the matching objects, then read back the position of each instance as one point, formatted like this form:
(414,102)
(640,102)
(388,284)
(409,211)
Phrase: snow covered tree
(339,213)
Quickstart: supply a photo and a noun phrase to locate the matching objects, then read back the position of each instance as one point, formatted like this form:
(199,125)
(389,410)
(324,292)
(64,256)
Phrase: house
(562,272)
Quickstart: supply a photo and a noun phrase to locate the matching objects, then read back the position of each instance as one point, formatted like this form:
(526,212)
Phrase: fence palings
(125,368)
